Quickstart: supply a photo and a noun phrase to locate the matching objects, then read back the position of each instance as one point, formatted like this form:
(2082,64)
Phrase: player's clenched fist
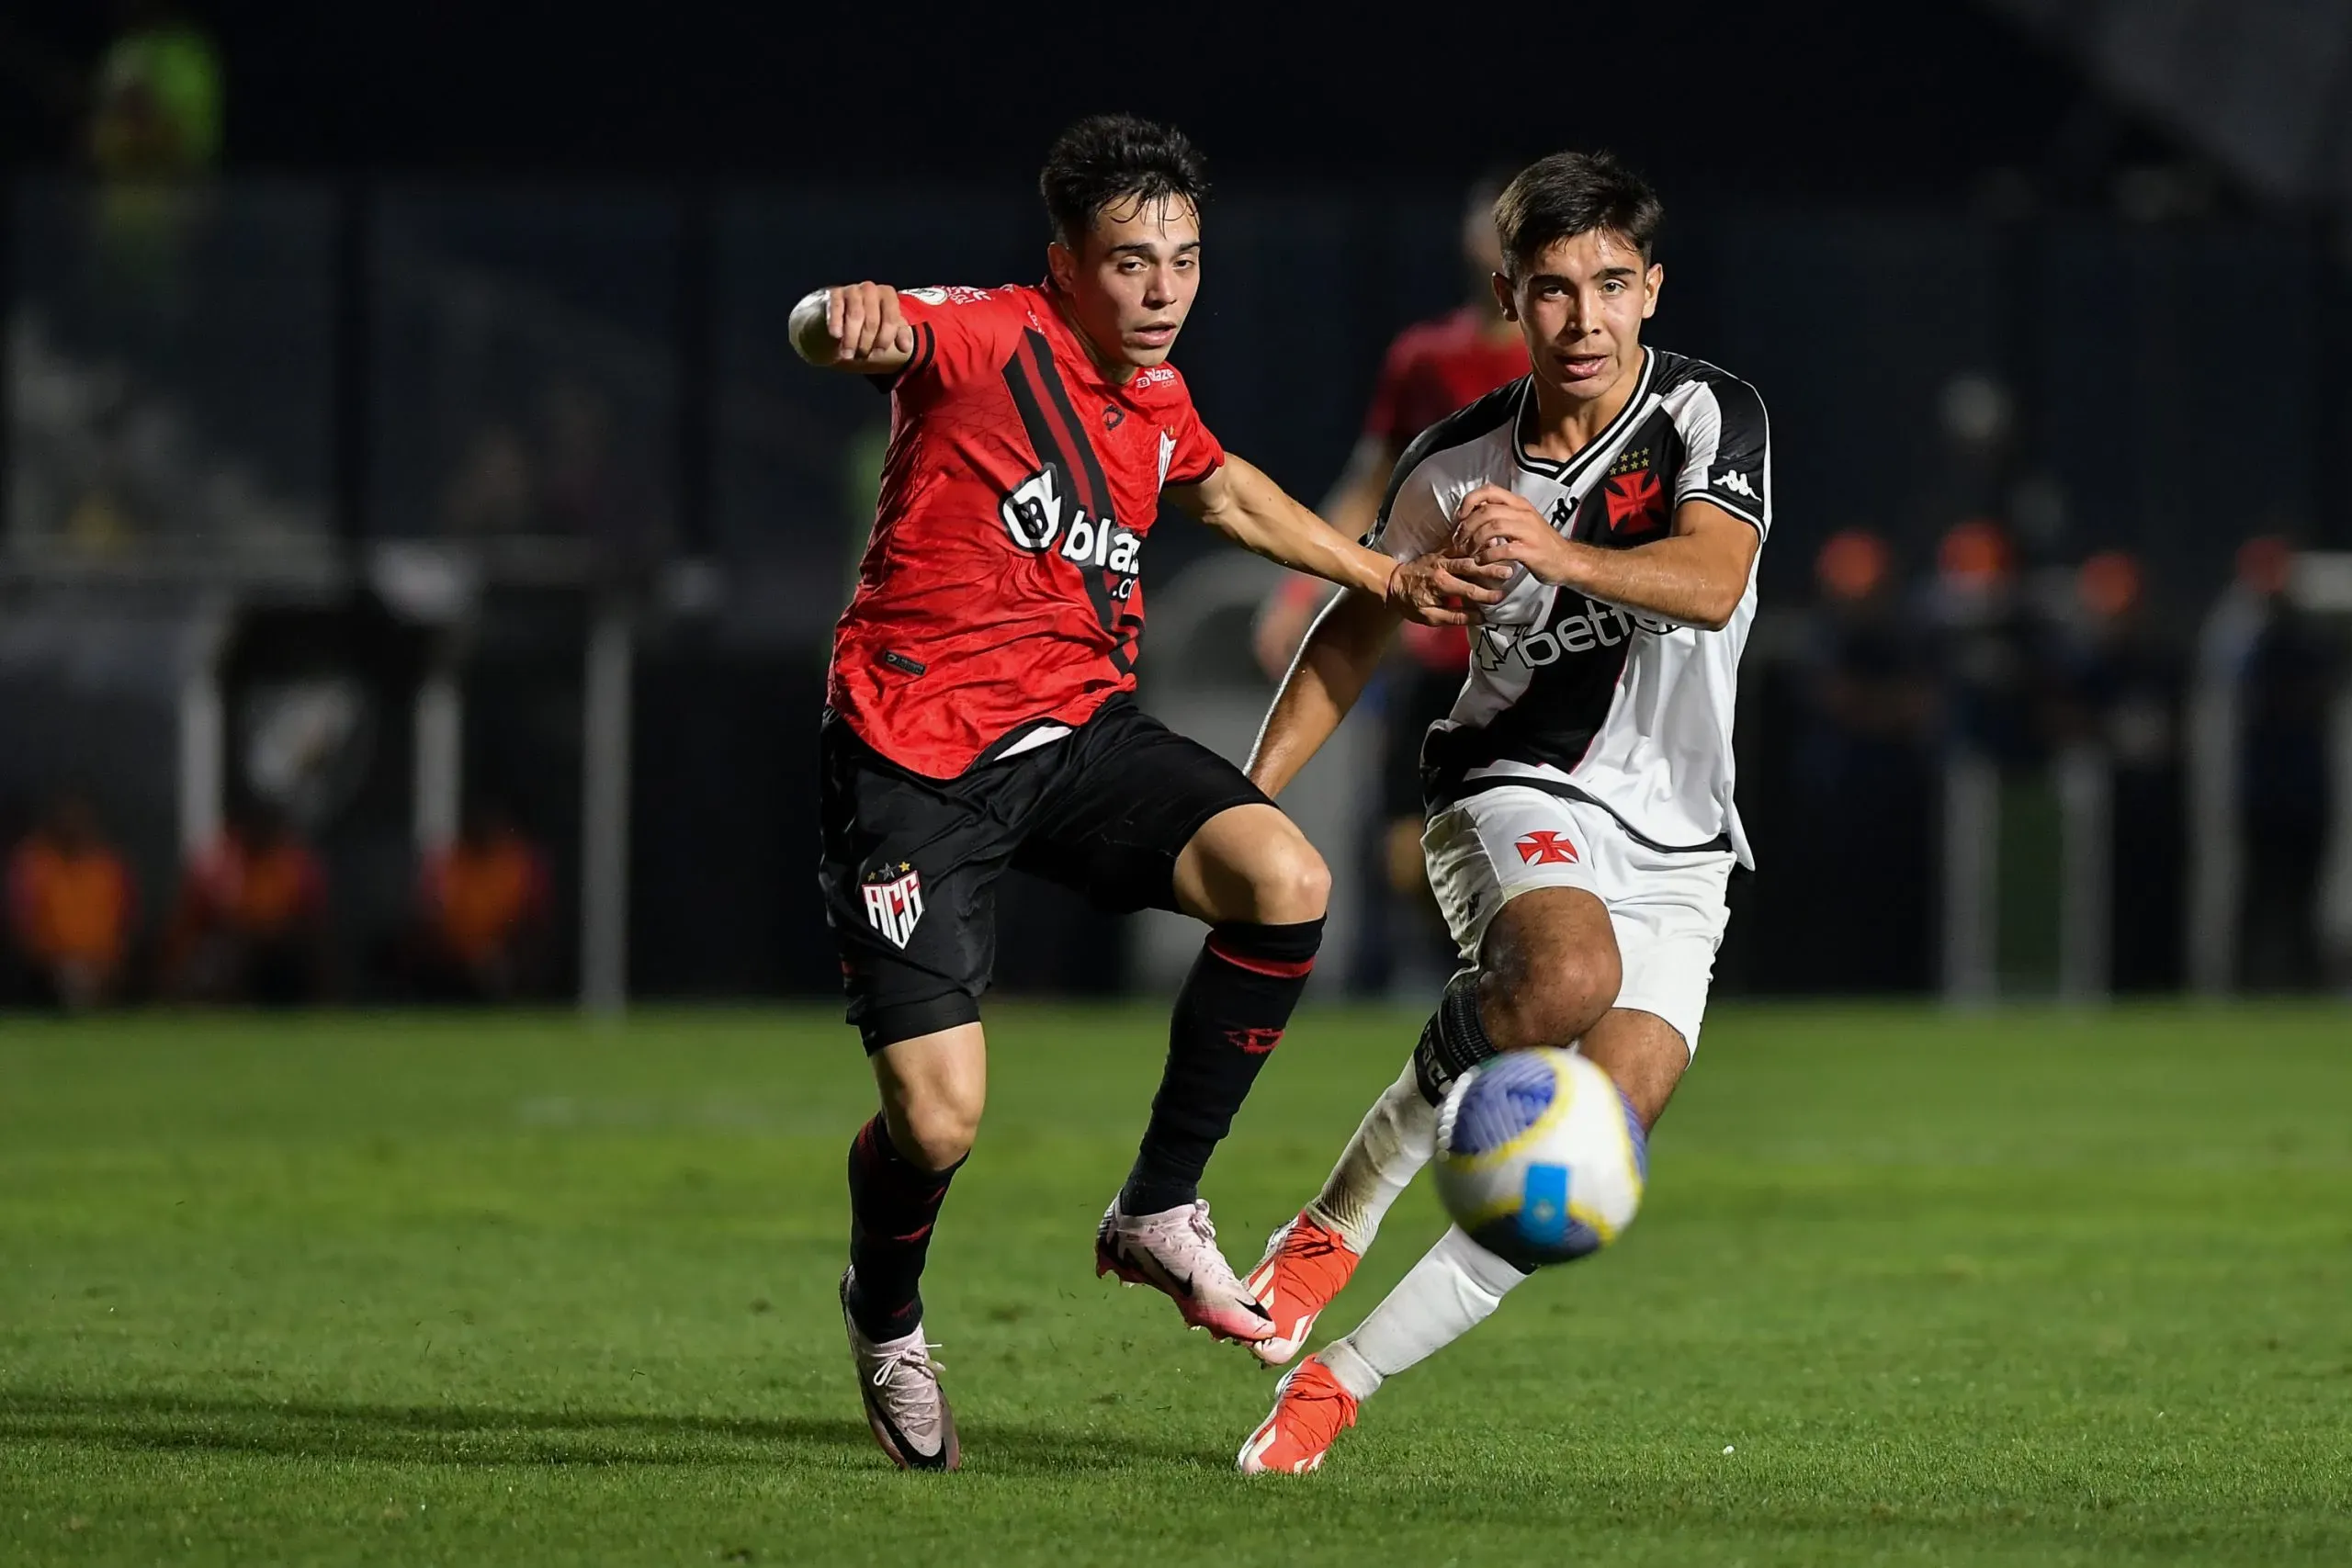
(856,326)
(1498,527)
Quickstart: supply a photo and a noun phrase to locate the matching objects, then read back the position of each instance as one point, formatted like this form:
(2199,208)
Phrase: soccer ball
(1540,1157)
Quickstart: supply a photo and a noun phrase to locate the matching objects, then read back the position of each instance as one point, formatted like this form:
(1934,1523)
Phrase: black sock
(1454,1040)
(892,1204)
(1228,1016)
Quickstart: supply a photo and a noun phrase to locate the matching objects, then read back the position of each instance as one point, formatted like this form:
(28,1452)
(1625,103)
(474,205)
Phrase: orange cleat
(1306,1265)
(1310,1411)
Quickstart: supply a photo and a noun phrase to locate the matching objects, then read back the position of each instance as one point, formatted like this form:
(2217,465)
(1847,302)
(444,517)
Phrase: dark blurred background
(419,545)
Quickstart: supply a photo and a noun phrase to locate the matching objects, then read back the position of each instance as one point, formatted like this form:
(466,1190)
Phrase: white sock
(1455,1287)
(1396,1138)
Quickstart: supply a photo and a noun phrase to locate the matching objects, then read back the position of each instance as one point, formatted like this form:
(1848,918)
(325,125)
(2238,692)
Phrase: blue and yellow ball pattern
(1540,1157)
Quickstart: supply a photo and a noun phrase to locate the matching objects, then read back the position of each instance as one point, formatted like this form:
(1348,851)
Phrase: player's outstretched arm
(1338,658)
(852,326)
(1242,504)
(1695,576)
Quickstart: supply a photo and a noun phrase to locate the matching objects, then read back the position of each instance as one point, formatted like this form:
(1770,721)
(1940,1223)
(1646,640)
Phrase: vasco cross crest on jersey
(1635,499)
(1544,849)
(893,901)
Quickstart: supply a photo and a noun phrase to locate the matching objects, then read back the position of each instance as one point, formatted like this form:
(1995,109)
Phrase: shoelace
(916,1356)
(1201,1226)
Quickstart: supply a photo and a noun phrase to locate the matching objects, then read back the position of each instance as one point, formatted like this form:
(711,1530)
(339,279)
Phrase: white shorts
(1666,906)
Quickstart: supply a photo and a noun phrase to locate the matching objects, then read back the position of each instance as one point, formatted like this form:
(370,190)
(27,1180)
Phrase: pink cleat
(1175,1253)
(900,1384)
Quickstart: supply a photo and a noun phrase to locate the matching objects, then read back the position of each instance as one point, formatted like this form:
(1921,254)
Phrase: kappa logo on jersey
(893,901)
(1737,482)
(1547,849)
(1032,515)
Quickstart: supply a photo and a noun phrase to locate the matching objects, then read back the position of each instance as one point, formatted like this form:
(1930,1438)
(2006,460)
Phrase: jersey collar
(1566,474)
(1071,343)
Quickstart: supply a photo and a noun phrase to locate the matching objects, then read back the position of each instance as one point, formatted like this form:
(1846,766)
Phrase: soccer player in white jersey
(1581,830)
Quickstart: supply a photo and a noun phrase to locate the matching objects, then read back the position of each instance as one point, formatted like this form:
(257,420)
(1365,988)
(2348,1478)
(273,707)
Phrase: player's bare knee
(935,1129)
(1292,885)
(1551,999)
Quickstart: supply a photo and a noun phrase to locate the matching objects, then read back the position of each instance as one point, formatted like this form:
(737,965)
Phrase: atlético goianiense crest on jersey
(893,901)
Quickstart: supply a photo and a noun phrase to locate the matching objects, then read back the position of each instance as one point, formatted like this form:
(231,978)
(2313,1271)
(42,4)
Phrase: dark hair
(1108,158)
(1568,193)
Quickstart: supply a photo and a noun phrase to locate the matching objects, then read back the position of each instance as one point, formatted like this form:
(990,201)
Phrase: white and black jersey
(1569,694)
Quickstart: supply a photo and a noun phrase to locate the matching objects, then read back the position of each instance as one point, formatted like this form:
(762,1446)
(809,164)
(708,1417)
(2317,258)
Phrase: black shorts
(911,863)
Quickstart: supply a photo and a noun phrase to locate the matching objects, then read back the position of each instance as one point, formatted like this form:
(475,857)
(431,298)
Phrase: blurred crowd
(249,921)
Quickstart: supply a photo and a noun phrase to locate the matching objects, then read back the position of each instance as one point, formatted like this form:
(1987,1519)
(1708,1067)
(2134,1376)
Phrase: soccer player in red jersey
(980,716)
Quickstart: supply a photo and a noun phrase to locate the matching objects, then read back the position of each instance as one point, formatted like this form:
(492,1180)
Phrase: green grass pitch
(1909,1288)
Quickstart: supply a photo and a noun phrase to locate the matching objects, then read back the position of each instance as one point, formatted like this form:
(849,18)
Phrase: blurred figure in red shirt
(251,925)
(484,906)
(72,909)
(1433,369)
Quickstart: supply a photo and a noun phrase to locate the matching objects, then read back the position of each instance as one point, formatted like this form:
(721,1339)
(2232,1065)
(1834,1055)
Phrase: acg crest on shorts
(893,901)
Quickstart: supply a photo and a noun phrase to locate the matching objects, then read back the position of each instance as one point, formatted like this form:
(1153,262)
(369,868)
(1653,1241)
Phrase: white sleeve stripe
(1721,505)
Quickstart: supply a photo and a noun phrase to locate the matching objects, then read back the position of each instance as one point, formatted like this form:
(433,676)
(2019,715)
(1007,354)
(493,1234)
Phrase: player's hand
(1499,527)
(1444,589)
(863,321)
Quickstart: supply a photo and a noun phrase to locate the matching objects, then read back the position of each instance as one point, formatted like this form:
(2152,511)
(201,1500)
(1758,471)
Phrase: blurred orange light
(1976,553)
(2108,584)
(1853,565)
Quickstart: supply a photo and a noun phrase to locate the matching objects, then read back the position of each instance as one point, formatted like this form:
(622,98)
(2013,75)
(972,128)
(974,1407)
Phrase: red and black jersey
(1001,585)
(1435,367)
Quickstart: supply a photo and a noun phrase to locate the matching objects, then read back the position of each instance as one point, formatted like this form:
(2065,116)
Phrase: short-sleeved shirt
(1567,693)
(1435,367)
(999,601)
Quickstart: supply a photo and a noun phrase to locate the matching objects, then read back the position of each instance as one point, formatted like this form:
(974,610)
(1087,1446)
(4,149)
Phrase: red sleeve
(1385,420)
(959,333)
(1197,454)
